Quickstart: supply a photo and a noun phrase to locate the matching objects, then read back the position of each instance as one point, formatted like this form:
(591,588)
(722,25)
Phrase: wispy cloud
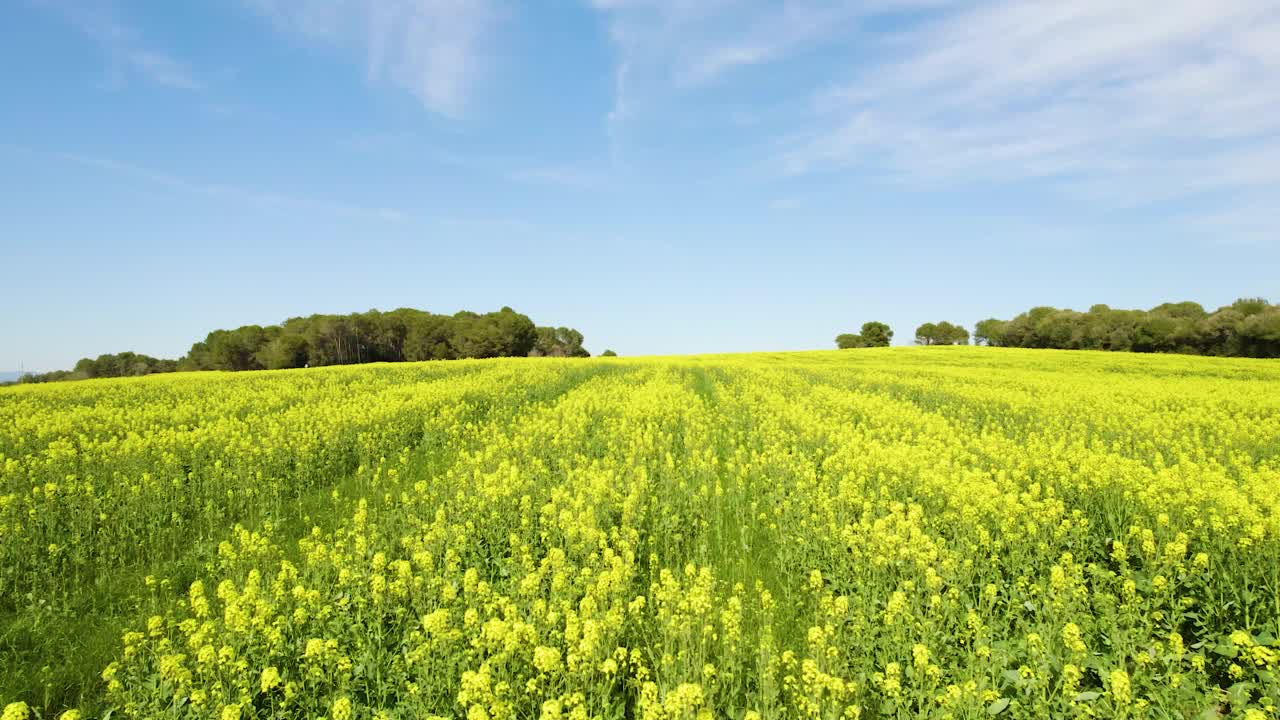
(696,42)
(162,69)
(1245,222)
(784,204)
(427,47)
(1116,103)
(618,114)
(481,163)
(667,47)
(1183,95)
(127,51)
(248,196)
(570,177)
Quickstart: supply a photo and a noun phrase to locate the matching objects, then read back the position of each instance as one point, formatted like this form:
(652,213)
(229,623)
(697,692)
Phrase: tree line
(125,364)
(878,334)
(403,335)
(874,334)
(1249,327)
(941,333)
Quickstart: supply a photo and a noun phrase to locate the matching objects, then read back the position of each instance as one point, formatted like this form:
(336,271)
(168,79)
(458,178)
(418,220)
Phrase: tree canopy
(941,333)
(125,364)
(400,335)
(397,336)
(874,334)
(1249,327)
(558,342)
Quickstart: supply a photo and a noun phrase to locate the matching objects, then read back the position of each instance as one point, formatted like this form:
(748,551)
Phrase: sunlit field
(904,532)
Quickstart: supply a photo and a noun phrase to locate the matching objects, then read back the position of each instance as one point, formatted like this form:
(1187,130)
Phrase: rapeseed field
(899,532)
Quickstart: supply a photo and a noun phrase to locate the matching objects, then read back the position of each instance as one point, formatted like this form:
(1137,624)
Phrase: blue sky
(668,176)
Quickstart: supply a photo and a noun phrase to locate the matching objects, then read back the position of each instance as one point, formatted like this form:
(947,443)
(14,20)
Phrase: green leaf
(1240,692)
(1088,696)
(998,706)
(1013,677)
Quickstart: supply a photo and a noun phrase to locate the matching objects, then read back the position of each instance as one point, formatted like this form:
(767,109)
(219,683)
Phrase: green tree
(988,332)
(286,350)
(428,338)
(475,337)
(1250,306)
(558,342)
(1188,310)
(927,334)
(229,349)
(1219,334)
(845,341)
(876,334)
(1260,334)
(372,336)
(950,334)
(518,332)
(942,333)
(1241,328)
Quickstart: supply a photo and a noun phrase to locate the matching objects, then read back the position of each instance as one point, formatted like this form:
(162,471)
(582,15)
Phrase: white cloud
(674,47)
(720,60)
(1111,104)
(784,204)
(696,42)
(1246,223)
(123,44)
(569,177)
(428,47)
(618,114)
(162,69)
(1184,94)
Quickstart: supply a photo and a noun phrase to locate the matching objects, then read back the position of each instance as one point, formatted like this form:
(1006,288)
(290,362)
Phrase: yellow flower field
(900,532)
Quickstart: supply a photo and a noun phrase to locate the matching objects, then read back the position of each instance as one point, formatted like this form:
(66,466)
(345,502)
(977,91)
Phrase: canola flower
(943,533)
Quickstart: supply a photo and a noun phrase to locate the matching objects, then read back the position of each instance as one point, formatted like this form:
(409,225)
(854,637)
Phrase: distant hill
(9,375)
